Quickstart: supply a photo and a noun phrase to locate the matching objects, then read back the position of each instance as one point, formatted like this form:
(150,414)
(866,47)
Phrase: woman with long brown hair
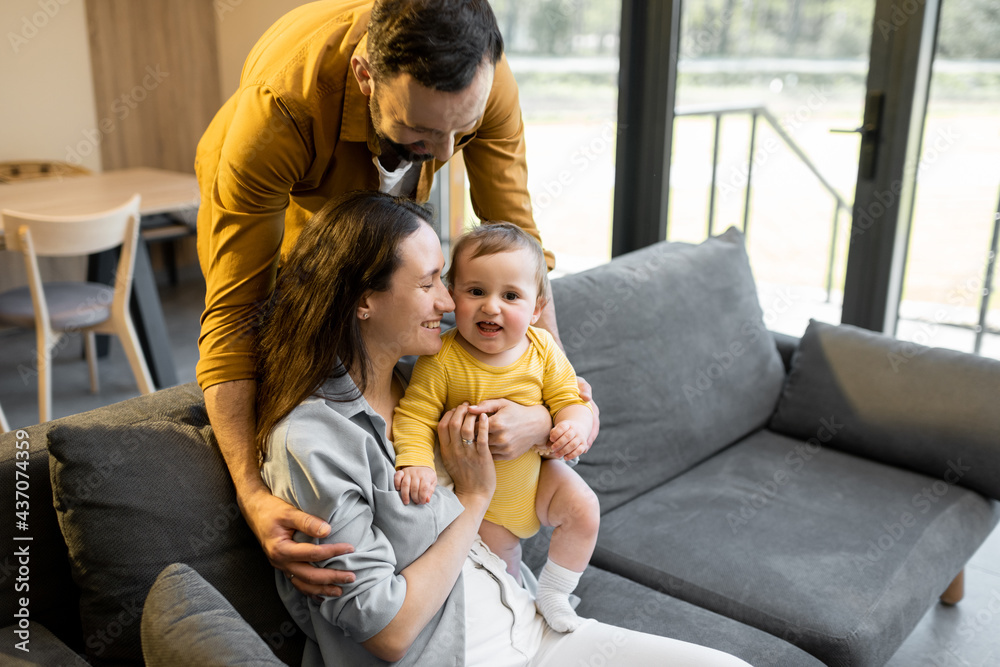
(362,288)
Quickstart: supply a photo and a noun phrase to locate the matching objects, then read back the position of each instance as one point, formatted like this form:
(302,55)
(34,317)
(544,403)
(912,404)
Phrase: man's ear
(363,73)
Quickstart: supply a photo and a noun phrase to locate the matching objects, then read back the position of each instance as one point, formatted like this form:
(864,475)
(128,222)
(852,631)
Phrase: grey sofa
(791,502)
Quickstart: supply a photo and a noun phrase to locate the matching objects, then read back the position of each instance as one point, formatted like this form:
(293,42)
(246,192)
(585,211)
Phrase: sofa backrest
(927,409)
(672,339)
(45,581)
(138,486)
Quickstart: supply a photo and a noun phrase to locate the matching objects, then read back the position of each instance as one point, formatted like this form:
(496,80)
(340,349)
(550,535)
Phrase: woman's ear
(364,308)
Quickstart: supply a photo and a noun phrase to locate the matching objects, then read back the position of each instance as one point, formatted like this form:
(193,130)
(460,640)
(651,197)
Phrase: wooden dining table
(162,192)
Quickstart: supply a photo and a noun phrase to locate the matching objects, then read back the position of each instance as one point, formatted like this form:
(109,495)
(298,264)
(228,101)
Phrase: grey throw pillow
(672,339)
(140,485)
(186,621)
(926,409)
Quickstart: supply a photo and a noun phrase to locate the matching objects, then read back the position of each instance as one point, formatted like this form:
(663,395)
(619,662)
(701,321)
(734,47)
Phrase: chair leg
(955,591)
(45,344)
(133,350)
(90,346)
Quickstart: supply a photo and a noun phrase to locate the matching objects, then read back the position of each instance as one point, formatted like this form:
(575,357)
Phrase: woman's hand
(514,428)
(470,465)
(274,522)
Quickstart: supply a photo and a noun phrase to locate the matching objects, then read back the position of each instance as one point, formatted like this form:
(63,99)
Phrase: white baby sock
(554,586)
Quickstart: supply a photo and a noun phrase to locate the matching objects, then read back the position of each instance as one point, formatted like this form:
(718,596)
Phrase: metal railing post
(984,302)
(715,165)
(746,201)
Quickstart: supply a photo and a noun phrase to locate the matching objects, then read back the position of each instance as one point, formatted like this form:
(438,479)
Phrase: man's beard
(401,150)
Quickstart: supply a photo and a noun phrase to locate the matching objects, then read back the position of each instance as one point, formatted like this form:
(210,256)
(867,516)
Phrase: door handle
(869,130)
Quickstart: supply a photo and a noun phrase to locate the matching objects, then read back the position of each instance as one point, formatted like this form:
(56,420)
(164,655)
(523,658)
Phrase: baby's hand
(416,483)
(567,442)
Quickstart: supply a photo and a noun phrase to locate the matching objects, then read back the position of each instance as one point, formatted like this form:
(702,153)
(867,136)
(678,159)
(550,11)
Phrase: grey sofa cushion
(619,601)
(44,649)
(54,593)
(840,555)
(140,485)
(925,409)
(672,339)
(187,622)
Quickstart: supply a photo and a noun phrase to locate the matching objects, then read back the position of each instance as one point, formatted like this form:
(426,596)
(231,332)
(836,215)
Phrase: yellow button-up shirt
(297,133)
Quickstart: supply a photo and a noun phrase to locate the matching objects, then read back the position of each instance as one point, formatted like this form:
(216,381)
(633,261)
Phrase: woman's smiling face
(406,319)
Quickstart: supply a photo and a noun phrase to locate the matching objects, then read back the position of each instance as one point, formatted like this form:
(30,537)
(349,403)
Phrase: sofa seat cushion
(615,600)
(839,555)
(926,409)
(140,485)
(672,339)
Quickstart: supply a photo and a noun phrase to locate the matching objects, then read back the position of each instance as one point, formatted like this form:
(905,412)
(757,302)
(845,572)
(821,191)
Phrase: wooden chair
(56,309)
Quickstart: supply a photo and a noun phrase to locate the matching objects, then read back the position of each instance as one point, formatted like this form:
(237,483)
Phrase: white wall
(46,82)
(239,24)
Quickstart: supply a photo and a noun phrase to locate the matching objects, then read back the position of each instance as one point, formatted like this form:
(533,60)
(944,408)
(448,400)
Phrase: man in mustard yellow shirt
(337,96)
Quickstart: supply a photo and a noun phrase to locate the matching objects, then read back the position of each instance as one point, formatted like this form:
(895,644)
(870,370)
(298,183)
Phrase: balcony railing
(758,111)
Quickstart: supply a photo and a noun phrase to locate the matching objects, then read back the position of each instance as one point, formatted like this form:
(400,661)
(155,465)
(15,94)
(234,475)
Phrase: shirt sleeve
(261,156)
(414,424)
(495,159)
(559,386)
(333,481)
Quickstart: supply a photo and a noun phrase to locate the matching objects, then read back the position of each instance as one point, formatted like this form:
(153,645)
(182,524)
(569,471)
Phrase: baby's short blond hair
(491,238)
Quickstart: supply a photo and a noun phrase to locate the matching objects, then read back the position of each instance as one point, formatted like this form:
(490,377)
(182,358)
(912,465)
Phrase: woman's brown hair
(308,329)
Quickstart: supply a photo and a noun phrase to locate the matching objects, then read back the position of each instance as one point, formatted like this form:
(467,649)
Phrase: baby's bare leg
(565,501)
(505,544)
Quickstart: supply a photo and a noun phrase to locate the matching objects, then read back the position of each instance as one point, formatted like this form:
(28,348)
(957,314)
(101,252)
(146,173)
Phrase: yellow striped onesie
(543,375)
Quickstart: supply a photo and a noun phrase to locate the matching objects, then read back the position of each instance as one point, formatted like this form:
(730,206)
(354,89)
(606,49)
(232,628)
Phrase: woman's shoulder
(316,422)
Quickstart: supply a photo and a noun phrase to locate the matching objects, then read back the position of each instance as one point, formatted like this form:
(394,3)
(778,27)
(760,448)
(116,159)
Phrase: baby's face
(496,299)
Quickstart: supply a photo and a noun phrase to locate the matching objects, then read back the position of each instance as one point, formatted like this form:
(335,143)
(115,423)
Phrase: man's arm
(273,521)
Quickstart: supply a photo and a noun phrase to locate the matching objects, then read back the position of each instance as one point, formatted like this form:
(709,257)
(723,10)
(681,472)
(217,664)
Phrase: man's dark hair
(440,43)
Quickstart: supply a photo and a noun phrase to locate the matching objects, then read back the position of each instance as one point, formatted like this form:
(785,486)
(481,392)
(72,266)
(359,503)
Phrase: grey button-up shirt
(333,460)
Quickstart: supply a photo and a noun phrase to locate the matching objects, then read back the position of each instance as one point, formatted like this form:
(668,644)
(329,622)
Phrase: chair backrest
(65,236)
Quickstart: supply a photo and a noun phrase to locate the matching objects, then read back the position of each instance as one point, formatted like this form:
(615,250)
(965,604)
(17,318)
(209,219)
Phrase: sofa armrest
(929,410)
(186,621)
(42,648)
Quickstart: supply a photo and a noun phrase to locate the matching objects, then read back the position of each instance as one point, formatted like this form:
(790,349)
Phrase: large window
(944,303)
(760,86)
(564,54)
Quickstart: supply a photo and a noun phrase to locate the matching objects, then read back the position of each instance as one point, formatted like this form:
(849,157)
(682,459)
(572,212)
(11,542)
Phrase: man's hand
(274,522)
(514,428)
(415,483)
(587,394)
